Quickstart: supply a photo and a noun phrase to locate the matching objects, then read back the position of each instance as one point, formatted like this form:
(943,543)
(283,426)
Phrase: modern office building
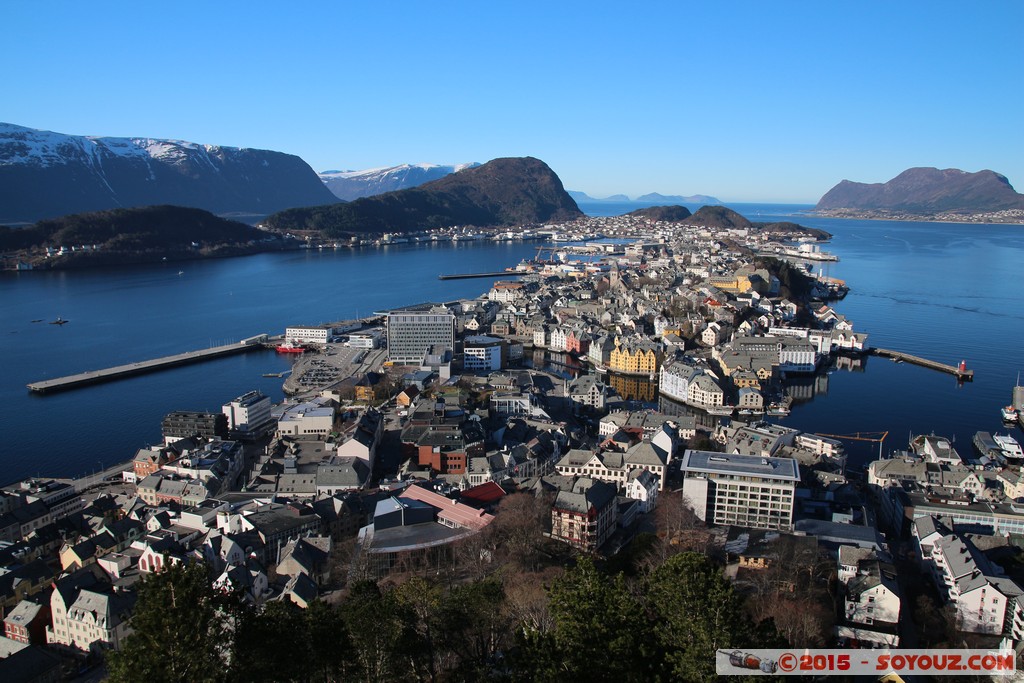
(248,414)
(412,332)
(741,490)
(483,354)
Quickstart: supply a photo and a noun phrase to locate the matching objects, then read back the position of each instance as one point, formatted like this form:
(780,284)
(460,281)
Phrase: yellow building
(642,357)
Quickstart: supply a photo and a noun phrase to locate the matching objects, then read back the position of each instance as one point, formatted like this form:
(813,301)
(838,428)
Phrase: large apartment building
(741,490)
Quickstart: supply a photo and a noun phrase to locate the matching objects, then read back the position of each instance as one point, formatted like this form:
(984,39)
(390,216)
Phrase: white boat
(1009,413)
(1011,449)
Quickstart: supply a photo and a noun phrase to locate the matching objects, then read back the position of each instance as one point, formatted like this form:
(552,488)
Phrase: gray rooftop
(783,469)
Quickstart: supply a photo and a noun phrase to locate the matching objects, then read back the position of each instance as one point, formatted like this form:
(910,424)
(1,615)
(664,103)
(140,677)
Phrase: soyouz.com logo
(780,662)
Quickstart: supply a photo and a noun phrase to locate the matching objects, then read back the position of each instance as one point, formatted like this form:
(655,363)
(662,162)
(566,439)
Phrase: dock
(142,367)
(466,276)
(960,372)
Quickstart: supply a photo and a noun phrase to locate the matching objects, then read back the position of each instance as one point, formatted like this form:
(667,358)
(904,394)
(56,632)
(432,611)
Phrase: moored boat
(291,347)
(1011,449)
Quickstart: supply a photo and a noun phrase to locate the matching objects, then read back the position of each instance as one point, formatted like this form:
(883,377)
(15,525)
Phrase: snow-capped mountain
(349,185)
(45,174)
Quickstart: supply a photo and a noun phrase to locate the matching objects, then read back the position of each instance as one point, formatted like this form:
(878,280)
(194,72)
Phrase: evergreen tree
(181,630)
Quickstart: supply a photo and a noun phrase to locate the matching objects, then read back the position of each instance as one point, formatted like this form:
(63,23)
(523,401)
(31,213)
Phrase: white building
(482,353)
(315,334)
(741,490)
(310,418)
(249,413)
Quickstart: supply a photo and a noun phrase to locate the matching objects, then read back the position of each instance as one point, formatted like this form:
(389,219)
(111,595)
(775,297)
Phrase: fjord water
(944,291)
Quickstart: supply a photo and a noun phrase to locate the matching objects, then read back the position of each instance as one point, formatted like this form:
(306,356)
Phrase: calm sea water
(943,291)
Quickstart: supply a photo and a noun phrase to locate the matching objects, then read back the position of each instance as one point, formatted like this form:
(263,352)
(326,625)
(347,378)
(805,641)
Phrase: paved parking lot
(316,371)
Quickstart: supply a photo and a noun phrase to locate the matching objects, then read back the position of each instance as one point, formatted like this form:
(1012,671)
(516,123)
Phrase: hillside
(670,214)
(718,217)
(137,235)
(654,197)
(509,191)
(927,191)
(349,185)
(45,175)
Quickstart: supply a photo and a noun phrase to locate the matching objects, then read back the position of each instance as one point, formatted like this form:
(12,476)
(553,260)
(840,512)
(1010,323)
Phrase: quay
(961,372)
(466,276)
(144,367)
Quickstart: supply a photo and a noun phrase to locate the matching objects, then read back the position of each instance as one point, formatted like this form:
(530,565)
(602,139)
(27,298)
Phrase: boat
(291,347)
(986,445)
(1009,413)
(59,321)
(1011,449)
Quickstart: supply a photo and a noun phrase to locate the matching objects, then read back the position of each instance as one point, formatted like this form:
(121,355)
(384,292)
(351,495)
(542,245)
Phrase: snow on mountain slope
(44,174)
(349,185)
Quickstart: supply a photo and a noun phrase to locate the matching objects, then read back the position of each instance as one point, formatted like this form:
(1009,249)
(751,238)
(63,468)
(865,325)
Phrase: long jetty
(960,373)
(142,367)
(466,276)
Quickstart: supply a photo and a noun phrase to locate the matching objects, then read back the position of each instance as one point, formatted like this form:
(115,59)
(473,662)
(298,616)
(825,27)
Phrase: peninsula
(928,194)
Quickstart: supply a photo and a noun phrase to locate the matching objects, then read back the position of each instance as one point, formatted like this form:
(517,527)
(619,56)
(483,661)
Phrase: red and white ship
(291,347)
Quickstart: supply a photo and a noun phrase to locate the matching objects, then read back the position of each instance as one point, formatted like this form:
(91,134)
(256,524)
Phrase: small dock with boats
(960,371)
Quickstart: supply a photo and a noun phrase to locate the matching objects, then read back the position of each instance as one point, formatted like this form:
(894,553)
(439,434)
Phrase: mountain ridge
(926,191)
(44,174)
(506,191)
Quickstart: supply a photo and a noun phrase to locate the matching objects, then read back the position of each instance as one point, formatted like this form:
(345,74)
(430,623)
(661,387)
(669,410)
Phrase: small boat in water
(59,321)
(1009,413)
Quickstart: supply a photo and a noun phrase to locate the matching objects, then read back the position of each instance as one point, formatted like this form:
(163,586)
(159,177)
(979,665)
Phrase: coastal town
(625,388)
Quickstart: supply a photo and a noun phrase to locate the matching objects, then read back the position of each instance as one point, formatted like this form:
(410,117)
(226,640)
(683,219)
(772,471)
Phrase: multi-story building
(483,354)
(312,334)
(412,332)
(636,356)
(248,414)
(741,490)
(584,516)
(183,424)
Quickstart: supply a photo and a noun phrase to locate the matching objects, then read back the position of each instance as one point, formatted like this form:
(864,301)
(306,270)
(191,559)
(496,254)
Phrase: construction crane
(874,437)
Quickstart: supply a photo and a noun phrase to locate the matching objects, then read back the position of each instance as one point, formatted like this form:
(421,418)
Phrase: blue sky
(747,101)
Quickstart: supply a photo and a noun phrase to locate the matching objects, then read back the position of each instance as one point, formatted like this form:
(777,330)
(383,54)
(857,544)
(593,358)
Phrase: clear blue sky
(747,101)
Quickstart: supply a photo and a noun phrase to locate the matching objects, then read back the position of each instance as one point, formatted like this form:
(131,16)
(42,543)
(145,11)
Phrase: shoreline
(984,218)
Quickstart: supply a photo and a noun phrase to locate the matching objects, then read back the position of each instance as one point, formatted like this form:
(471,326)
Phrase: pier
(142,367)
(960,372)
(466,276)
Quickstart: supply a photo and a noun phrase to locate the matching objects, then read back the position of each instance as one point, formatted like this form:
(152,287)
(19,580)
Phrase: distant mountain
(927,191)
(45,174)
(670,214)
(585,198)
(651,198)
(718,217)
(137,235)
(510,191)
(349,185)
(655,198)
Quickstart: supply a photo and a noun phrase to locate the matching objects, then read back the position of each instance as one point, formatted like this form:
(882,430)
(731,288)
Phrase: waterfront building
(483,354)
(364,340)
(635,355)
(739,489)
(587,392)
(412,332)
(249,414)
(312,334)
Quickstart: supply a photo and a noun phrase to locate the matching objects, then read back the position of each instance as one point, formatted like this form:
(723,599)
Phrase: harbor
(960,371)
(144,367)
